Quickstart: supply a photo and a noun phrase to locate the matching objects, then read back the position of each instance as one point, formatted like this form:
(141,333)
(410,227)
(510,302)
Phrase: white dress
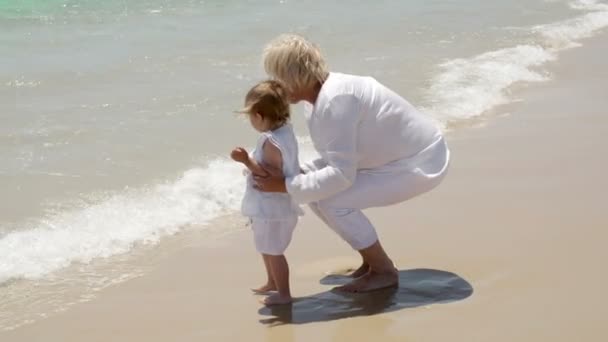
(273,215)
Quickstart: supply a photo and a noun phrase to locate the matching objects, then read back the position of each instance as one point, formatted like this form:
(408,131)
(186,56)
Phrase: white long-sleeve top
(357,123)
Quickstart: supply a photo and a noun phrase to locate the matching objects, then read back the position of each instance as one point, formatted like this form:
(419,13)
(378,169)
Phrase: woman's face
(295,95)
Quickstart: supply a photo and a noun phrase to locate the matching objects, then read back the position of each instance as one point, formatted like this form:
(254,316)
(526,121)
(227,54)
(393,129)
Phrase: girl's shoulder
(282,136)
(286,129)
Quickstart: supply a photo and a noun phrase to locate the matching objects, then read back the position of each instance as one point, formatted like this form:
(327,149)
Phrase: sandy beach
(511,247)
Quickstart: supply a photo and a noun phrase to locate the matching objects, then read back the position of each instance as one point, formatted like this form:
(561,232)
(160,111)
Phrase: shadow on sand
(417,287)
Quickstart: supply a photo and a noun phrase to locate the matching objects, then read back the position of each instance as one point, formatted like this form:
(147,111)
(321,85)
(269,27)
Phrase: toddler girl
(273,216)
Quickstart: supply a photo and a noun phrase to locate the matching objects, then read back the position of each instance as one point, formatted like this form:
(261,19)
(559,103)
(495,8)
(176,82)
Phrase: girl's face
(258,122)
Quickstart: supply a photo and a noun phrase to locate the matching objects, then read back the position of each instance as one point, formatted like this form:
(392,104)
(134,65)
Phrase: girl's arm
(272,168)
(240,155)
(273,160)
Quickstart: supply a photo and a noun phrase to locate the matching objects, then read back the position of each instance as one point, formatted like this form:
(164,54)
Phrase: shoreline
(519,218)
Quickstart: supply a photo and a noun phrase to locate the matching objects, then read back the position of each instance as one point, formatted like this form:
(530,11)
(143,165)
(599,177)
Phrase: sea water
(117,116)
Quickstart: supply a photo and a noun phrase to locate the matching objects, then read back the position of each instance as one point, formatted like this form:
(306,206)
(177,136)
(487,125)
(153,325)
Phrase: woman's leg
(343,213)
(383,186)
(381,272)
(377,270)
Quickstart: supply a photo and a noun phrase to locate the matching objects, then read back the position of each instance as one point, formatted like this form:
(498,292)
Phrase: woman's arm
(339,125)
(273,159)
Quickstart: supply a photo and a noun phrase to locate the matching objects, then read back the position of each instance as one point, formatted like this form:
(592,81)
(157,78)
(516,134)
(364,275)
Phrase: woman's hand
(274,182)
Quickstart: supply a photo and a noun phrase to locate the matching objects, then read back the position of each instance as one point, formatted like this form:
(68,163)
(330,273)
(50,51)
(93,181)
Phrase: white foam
(466,88)
(566,34)
(23,83)
(588,5)
(115,224)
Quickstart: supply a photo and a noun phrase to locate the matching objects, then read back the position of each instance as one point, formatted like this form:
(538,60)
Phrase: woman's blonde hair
(295,61)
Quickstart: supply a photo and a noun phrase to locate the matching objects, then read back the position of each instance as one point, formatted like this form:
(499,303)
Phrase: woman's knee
(350,224)
(331,208)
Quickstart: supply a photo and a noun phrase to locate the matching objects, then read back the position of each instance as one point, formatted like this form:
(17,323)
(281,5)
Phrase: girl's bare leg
(270,284)
(280,273)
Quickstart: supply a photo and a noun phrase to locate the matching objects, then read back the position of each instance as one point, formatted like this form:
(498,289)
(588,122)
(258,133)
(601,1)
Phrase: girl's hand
(240,155)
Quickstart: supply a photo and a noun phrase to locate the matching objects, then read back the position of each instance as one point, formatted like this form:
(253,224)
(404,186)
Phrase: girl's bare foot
(276,299)
(264,289)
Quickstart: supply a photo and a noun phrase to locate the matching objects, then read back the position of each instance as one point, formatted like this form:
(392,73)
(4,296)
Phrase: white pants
(386,185)
(273,236)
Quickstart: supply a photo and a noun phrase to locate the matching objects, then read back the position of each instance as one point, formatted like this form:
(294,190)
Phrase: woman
(376,150)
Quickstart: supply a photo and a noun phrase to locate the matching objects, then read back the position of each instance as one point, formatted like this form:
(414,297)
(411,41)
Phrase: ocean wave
(22,83)
(566,34)
(115,224)
(466,88)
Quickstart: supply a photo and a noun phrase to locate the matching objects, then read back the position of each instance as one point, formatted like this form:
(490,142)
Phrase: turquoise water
(117,115)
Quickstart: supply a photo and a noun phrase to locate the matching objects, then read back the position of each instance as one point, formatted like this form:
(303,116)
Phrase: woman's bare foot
(276,299)
(362,270)
(265,288)
(372,281)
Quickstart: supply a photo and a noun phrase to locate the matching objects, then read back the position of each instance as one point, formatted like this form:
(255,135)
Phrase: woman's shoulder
(342,80)
(345,85)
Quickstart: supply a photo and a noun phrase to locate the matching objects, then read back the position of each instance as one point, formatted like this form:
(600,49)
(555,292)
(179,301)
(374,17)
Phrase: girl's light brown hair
(269,99)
